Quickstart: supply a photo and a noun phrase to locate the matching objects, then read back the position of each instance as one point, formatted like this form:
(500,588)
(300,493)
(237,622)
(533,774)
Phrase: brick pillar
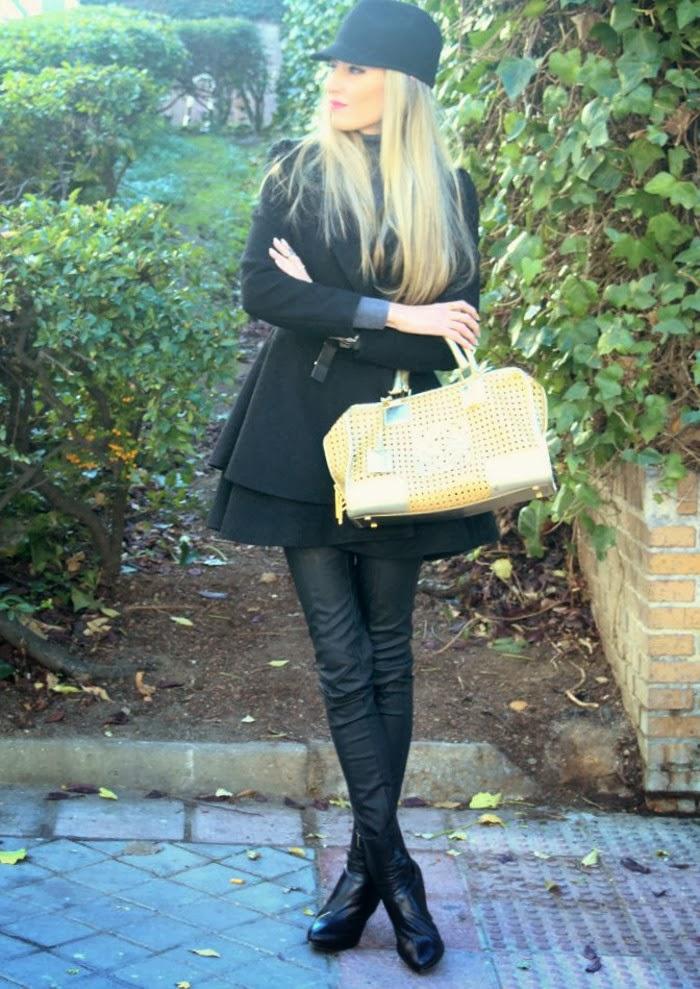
(645,598)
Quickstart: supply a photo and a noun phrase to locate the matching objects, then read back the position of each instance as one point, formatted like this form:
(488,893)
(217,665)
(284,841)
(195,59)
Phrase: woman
(363,255)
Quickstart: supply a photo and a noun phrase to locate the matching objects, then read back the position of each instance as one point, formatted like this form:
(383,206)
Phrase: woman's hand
(286,259)
(457,320)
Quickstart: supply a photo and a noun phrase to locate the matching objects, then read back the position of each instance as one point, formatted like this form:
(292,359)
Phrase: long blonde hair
(423,211)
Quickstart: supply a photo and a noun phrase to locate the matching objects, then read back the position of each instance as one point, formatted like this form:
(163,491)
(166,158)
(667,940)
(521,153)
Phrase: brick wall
(645,598)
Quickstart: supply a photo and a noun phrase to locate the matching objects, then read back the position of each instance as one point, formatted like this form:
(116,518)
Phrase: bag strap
(401,382)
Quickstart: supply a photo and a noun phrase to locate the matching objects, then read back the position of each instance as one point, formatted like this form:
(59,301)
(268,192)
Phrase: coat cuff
(371,313)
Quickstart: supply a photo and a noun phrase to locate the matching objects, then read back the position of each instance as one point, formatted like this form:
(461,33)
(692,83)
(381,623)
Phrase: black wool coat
(272,441)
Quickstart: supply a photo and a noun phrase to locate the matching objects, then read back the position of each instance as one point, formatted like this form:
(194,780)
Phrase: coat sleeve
(413,351)
(269,293)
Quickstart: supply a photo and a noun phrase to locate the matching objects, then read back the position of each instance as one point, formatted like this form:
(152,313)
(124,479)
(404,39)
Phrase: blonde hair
(423,210)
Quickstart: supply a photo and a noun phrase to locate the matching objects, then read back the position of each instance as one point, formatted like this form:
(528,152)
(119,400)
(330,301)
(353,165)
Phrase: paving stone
(264,825)
(266,972)
(23,810)
(43,969)
(559,970)
(63,855)
(679,972)
(102,952)
(641,836)
(160,933)
(108,913)
(12,908)
(21,874)
(212,849)
(303,879)
(124,818)
(213,878)
(499,876)
(13,946)
(268,934)
(94,981)
(47,930)
(109,876)
(418,821)
(164,860)
(554,927)
(214,914)
(181,964)
(269,897)
(272,862)
(522,833)
(50,894)
(306,956)
(162,894)
(370,968)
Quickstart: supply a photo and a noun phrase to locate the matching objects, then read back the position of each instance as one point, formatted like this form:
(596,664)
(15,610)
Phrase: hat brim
(344,54)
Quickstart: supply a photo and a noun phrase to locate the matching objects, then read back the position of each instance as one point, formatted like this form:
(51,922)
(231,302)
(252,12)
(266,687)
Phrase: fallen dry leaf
(517,705)
(143,688)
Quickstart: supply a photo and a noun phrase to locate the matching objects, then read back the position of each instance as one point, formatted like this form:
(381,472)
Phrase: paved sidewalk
(126,892)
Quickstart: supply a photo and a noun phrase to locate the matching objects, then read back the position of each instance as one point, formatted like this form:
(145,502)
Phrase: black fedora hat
(388,34)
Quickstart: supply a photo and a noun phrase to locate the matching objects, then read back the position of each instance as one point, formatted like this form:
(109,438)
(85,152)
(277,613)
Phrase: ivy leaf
(515,74)
(565,65)
(687,11)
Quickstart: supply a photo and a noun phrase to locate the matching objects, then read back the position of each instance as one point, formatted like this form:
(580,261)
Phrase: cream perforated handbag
(466,447)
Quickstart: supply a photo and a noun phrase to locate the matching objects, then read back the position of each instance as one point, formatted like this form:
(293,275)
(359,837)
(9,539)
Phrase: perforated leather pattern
(452,446)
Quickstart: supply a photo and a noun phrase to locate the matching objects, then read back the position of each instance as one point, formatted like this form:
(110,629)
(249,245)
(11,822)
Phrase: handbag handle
(401,383)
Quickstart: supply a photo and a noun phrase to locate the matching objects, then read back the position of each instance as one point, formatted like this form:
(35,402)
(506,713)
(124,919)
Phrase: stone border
(435,770)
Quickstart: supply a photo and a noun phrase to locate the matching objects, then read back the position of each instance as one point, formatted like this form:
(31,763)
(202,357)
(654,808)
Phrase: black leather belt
(327,353)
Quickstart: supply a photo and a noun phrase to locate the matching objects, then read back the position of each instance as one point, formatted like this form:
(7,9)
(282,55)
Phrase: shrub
(78,125)
(231,51)
(113,330)
(101,36)
(253,10)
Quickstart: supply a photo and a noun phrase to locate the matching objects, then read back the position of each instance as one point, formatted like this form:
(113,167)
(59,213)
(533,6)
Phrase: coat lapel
(347,254)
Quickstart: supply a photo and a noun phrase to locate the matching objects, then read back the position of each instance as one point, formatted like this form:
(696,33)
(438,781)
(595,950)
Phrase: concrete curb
(435,770)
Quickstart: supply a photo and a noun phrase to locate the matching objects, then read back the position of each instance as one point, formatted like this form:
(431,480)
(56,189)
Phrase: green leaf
(503,569)
(687,11)
(515,74)
(565,65)
(531,518)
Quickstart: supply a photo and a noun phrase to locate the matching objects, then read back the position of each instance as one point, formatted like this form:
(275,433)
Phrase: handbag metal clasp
(400,385)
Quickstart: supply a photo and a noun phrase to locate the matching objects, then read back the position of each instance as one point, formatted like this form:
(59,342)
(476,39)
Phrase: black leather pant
(359,611)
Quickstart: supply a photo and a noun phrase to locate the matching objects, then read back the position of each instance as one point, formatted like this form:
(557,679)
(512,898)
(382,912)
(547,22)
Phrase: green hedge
(114,330)
(113,36)
(581,136)
(254,10)
(78,125)
(231,51)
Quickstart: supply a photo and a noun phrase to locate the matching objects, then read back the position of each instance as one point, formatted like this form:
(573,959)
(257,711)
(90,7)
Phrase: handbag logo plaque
(459,449)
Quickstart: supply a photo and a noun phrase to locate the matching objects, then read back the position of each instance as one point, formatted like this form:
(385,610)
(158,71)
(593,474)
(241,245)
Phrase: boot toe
(422,953)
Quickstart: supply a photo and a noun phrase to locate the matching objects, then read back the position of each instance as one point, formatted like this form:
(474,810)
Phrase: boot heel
(341,920)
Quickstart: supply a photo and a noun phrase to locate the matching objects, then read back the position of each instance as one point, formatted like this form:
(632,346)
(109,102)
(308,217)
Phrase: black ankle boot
(400,884)
(341,920)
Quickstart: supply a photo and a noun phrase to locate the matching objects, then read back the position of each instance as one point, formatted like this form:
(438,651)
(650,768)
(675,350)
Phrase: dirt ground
(227,655)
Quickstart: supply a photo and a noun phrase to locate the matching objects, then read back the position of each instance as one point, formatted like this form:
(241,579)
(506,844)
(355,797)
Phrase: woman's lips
(335,105)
